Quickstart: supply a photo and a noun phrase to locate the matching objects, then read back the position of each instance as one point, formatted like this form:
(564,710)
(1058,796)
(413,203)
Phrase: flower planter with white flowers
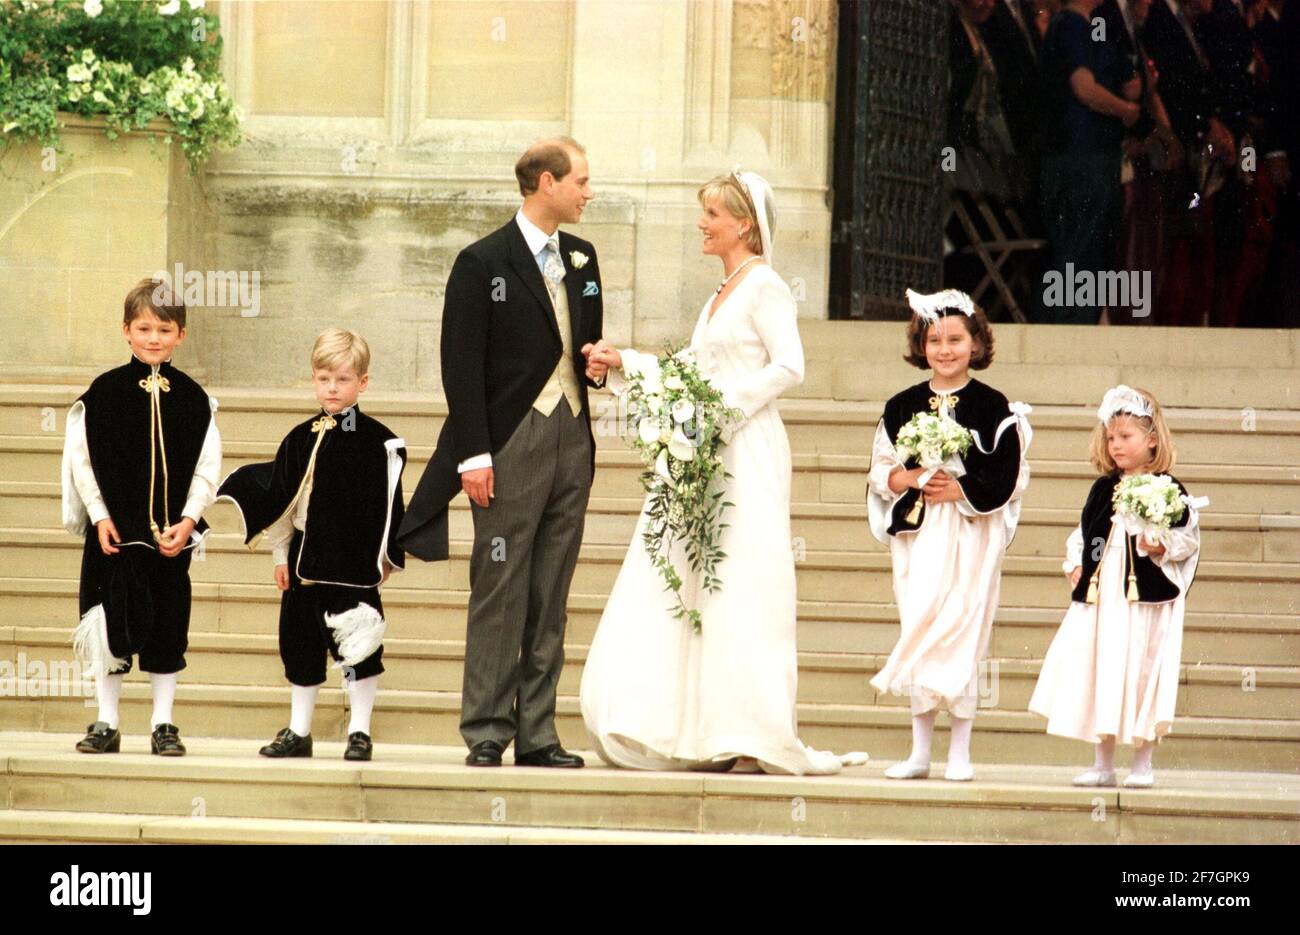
(108,109)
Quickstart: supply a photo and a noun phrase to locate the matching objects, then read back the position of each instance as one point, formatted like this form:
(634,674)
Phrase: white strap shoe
(1139,780)
(907,770)
(957,773)
(1095,777)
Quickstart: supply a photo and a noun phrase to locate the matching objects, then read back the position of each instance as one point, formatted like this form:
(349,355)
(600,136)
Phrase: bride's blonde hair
(730,192)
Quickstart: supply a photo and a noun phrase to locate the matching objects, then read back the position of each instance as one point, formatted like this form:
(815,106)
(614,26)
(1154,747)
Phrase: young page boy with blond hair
(330,505)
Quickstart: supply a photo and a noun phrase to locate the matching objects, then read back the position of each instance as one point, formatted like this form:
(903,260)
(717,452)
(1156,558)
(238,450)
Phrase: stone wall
(78,228)
(381,137)
(352,203)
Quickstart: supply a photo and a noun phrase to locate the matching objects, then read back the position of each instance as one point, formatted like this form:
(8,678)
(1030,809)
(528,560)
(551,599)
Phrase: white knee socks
(959,742)
(1104,761)
(1103,766)
(922,734)
(361,698)
(304,706)
(164,696)
(1142,759)
(108,692)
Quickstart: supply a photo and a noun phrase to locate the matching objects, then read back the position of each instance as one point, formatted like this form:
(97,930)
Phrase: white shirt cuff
(475,463)
(96,511)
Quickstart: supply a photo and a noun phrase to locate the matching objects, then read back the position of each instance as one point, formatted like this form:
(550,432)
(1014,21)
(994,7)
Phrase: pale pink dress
(947,576)
(1112,669)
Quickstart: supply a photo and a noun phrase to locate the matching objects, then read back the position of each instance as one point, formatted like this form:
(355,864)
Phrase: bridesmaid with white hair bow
(947,525)
(1111,674)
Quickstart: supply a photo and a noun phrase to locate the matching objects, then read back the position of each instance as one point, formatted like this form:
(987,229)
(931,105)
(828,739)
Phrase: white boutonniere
(578,259)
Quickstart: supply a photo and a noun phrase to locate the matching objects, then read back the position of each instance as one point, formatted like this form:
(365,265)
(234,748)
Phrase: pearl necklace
(723,285)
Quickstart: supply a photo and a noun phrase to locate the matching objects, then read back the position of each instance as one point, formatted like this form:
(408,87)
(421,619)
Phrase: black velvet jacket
(990,479)
(119,421)
(355,506)
(1154,587)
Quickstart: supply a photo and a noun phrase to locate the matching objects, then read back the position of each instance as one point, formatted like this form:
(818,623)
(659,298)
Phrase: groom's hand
(596,370)
(602,355)
(479,485)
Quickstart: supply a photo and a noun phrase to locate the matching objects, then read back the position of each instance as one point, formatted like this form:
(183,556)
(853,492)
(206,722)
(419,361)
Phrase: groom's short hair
(549,155)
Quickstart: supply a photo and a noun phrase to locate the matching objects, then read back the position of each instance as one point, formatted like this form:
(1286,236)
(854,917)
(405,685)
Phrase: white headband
(929,306)
(760,193)
(1122,399)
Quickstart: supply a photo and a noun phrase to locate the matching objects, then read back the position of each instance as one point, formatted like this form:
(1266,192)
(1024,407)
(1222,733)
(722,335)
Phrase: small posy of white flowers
(578,259)
(681,422)
(932,439)
(1149,505)
(93,8)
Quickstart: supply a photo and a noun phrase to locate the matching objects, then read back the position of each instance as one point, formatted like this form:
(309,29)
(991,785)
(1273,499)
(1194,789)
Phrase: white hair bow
(929,306)
(1122,399)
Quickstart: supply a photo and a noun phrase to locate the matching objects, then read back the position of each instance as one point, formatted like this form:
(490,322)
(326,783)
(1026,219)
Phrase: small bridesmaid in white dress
(656,695)
(947,537)
(1111,673)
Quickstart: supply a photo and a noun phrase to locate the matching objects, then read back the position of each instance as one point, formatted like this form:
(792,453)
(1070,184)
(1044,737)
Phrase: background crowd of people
(1131,135)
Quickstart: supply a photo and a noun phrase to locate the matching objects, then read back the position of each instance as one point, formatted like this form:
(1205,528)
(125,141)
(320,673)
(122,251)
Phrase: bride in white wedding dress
(656,695)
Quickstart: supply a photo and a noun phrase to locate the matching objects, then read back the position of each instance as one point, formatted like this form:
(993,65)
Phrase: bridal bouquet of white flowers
(936,441)
(679,424)
(1149,505)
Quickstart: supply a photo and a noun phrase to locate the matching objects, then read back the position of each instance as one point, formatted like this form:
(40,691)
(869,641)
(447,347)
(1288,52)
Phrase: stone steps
(816,478)
(1027,581)
(1227,691)
(255,713)
(1257,436)
(223,792)
(1237,537)
(1237,639)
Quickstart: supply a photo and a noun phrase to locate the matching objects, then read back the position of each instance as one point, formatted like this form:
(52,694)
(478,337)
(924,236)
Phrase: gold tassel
(1092,586)
(914,515)
(151,385)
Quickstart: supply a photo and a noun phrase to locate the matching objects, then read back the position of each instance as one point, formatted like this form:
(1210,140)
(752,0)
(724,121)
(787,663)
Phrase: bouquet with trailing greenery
(1149,505)
(127,62)
(679,425)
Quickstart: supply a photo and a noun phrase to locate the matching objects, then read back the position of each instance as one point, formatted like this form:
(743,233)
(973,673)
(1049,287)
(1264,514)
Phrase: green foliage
(126,62)
(682,474)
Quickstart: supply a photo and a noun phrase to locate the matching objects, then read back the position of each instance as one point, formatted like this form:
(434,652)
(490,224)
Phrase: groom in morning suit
(523,307)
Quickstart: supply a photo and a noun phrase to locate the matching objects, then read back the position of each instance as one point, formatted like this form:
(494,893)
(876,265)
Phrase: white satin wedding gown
(654,694)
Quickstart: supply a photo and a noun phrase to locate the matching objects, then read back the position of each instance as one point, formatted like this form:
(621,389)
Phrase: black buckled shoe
(100,738)
(359,746)
(554,756)
(166,741)
(485,753)
(287,744)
